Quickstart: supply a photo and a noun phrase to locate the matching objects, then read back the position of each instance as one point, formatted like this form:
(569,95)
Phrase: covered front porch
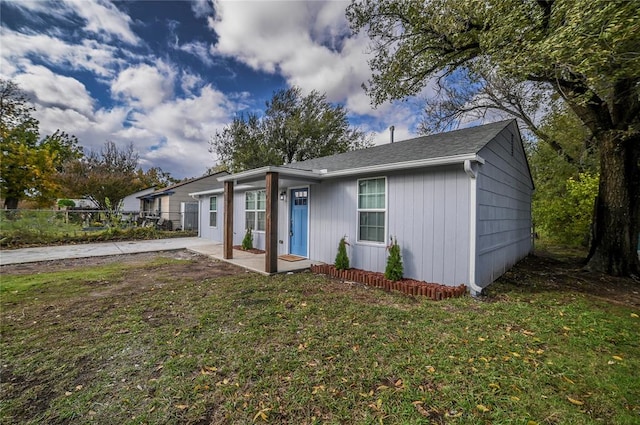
(275,181)
(252,262)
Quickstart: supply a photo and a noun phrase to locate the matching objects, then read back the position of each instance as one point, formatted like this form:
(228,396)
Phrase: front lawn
(188,340)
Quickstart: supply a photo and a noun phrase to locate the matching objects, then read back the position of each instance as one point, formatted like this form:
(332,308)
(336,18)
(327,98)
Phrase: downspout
(473,219)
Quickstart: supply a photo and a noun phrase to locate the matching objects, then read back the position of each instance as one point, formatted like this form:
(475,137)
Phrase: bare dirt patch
(552,271)
(544,271)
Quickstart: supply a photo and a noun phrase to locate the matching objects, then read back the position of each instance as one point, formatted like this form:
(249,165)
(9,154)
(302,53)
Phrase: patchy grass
(193,341)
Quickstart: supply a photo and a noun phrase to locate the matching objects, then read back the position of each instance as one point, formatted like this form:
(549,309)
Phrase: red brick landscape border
(377,280)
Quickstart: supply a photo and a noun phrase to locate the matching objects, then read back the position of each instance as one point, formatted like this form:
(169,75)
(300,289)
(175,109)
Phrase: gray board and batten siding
(427,212)
(504,196)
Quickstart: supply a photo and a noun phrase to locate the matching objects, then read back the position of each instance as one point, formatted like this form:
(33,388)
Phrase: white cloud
(307,42)
(55,91)
(144,85)
(32,8)
(199,50)
(190,82)
(177,132)
(88,55)
(100,17)
(173,134)
(201,8)
(103,18)
(311,46)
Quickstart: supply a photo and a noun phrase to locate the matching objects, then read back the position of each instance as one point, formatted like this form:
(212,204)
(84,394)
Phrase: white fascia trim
(420,163)
(259,172)
(206,192)
(323,174)
(218,191)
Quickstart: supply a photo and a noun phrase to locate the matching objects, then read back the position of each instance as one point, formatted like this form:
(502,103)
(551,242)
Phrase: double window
(372,209)
(255,203)
(213,211)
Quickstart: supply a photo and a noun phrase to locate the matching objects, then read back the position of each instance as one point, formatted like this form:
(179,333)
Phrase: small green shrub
(62,203)
(394,269)
(247,242)
(342,259)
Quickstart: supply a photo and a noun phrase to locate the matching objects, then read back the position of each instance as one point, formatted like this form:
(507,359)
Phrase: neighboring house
(459,204)
(133,203)
(81,203)
(174,203)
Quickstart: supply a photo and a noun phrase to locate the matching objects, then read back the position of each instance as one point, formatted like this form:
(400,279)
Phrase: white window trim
(385,211)
(256,210)
(215,226)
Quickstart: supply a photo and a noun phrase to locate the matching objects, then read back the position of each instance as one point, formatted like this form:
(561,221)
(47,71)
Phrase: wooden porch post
(227,244)
(271,231)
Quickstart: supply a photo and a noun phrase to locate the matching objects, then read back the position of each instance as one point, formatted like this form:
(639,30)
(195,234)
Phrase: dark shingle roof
(187,181)
(458,142)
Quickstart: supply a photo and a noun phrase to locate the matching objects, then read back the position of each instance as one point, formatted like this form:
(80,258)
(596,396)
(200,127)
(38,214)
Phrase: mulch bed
(252,250)
(434,291)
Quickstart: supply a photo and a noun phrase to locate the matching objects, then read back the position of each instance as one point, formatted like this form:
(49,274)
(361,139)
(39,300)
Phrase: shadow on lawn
(561,269)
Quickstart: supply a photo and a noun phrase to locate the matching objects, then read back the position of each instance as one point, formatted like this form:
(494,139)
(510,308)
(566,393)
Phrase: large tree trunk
(617,217)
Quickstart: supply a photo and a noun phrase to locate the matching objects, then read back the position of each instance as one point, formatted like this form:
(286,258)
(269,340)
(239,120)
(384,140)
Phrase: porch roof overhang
(256,176)
(157,194)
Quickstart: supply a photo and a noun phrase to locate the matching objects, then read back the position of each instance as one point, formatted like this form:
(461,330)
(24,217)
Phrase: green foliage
(247,241)
(585,50)
(567,218)
(155,177)
(294,128)
(342,259)
(584,42)
(561,213)
(109,174)
(28,165)
(394,269)
(62,203)
(114,219)
(20,228)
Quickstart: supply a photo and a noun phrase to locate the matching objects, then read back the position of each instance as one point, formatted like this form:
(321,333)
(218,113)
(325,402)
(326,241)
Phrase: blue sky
(165,75)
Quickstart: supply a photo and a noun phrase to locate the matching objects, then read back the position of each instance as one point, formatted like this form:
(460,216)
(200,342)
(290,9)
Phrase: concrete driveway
(100,249)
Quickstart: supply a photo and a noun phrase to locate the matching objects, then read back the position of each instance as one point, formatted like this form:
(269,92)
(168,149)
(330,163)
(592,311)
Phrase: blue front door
(298,232)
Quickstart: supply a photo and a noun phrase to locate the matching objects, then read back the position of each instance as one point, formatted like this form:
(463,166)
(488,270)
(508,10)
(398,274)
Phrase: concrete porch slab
(249,261)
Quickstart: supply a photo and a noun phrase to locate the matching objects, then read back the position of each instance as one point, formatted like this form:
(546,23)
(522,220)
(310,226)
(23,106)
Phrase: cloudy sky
(165,75)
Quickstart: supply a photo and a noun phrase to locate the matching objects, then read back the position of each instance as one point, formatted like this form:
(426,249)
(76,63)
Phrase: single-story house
(133,203)
(173,207)
(458,203)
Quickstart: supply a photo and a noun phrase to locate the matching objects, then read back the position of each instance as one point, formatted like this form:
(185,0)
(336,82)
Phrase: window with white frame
(213,211)
(255,203)
(372,209)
